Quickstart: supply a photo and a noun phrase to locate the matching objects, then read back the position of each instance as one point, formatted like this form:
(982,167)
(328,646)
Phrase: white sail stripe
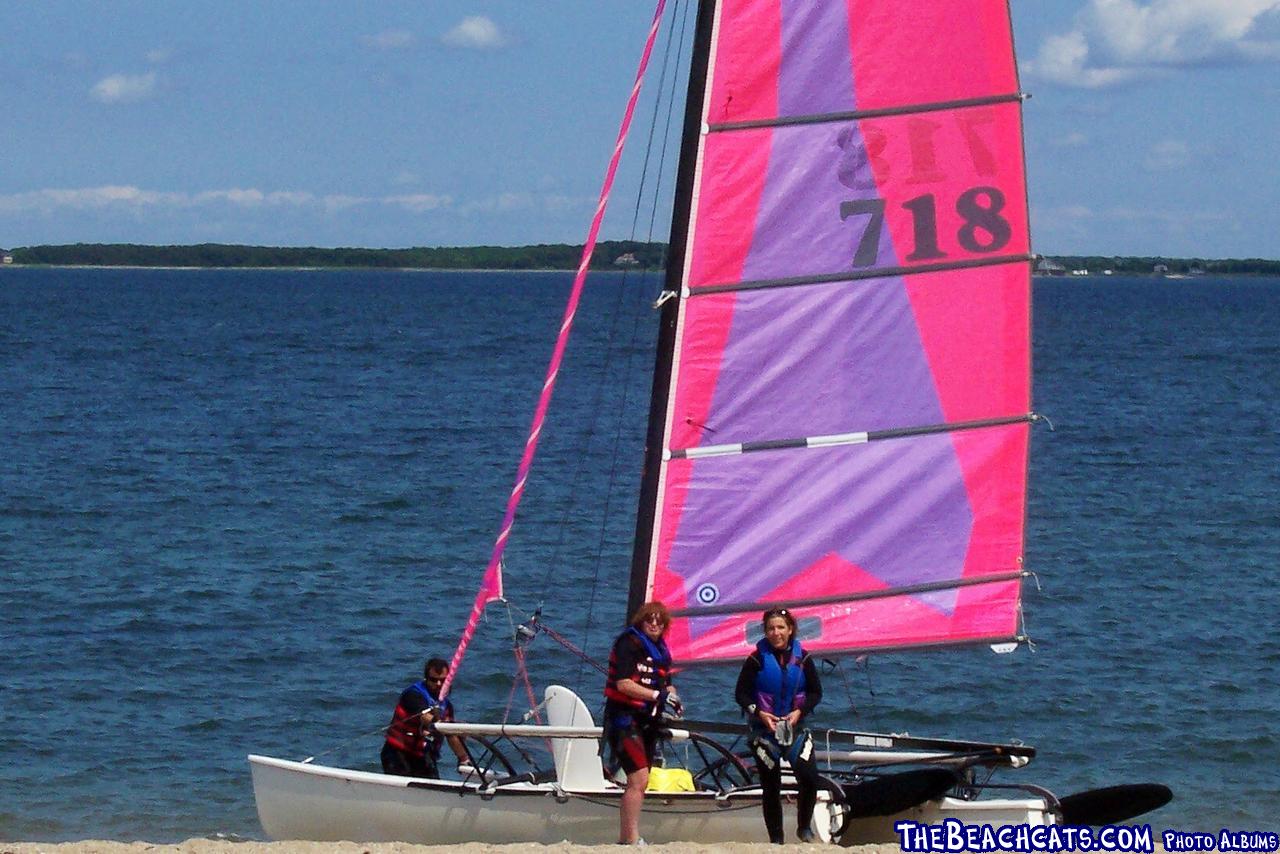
(837,439)
(730,449)
(713,451)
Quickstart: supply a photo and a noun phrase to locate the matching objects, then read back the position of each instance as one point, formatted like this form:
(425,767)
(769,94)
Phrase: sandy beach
(209,846)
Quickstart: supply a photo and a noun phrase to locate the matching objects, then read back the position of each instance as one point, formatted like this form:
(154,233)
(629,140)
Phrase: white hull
(298,801)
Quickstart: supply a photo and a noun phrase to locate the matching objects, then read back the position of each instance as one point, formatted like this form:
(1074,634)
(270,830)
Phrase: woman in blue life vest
(412,748)
(777,689)
(638,692)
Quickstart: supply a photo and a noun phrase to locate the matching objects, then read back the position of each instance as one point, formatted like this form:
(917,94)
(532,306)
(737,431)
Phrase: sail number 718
(984,229)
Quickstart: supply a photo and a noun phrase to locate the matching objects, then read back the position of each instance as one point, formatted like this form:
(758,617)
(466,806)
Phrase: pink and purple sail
(847,424)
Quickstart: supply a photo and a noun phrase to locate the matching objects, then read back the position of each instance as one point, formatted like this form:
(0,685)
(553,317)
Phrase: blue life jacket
(657,651)
(444,708)
(780,691)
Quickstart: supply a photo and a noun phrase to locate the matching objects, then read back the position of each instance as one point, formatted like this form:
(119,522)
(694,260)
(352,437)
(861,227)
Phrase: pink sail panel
(857,269)
(899,191)
(926,50)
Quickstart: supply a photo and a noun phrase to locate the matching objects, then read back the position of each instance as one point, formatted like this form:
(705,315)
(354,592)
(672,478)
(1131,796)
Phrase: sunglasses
(656,620)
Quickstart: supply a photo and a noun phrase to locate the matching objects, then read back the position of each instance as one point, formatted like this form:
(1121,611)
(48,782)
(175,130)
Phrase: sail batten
(852,438)
(856,253)
(854,115)
(851,276)
(873,649)
(751,607)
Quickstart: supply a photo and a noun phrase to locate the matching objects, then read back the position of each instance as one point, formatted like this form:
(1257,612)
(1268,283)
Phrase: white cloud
(389,40)
(419,202)
(124,88)
(1075,139)
(50,201)
(1065,59)
(512,202)
(476,32)
(1115,41)
(88,198)
(1168,154)
(250,198)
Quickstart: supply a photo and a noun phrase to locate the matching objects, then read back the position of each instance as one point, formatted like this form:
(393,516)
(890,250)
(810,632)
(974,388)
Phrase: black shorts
(401,764)
(633,745)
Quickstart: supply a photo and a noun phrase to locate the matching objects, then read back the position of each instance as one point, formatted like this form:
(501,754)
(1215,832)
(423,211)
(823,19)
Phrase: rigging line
(628,370)
(491,585)
(569,645)
(858,275)
(537,626)
(666,131)
(836,439)
(856,115)
(610,338)
(653,126)
(858,596)
(350,741)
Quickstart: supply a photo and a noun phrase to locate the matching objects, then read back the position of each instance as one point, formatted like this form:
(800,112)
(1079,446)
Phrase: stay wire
(611,337)
(629,364)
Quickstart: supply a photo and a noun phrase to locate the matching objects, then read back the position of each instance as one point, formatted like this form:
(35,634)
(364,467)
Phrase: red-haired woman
(637,692)
(777,689)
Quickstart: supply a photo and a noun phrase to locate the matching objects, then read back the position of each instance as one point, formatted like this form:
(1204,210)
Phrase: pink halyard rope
(491,586)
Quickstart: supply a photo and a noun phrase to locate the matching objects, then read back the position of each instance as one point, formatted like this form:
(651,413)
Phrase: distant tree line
(1145,265)
(557,256)
(609,255)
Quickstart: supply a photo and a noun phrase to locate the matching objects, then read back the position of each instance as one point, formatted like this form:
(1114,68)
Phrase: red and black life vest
(407,733)
(654,672)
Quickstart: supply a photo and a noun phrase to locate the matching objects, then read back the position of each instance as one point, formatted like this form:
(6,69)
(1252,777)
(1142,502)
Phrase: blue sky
(1153,129)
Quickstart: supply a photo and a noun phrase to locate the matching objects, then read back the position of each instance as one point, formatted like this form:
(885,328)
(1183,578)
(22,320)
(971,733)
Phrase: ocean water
(238,509)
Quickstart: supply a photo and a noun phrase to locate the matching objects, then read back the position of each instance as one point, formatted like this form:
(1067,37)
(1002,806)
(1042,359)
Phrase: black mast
(677,247)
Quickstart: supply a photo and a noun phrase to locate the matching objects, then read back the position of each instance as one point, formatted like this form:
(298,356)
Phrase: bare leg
(632,801)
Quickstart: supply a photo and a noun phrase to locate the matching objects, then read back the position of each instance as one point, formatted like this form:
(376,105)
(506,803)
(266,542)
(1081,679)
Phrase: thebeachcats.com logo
(952,835)
(1224,840)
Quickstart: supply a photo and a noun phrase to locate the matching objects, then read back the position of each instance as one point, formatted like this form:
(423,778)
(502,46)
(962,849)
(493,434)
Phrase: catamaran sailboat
(839,423)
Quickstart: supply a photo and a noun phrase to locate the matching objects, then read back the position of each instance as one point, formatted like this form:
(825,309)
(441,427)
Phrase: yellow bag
(670,780)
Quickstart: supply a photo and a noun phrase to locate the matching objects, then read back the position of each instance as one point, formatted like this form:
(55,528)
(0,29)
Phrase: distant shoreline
(609,255)
(179,268)
(619,255)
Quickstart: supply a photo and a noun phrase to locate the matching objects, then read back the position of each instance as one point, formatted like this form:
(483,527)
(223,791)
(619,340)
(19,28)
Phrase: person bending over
(413,745)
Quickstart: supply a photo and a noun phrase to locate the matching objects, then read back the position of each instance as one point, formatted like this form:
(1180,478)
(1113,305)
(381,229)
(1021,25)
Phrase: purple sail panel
(845,277)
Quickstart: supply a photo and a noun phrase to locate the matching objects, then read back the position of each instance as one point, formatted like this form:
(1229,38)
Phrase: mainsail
(840,422)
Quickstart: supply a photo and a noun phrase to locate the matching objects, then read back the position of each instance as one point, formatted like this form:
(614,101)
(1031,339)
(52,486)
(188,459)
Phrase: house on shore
(1050,267)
